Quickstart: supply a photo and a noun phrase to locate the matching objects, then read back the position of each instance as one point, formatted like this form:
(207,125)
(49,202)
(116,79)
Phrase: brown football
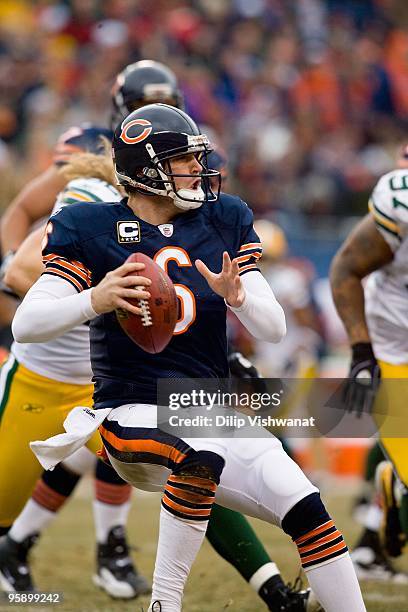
(152,330)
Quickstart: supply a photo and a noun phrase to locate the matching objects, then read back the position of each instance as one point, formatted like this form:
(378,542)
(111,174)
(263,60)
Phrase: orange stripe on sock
(328,538)
(202,483)
(46,497)
(325,553)
(142,446)
(315,532)
(192,497)
(113,494)
(193,512)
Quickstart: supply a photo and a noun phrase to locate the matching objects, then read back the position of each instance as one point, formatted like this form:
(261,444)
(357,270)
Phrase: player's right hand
(118,287)
(363,379)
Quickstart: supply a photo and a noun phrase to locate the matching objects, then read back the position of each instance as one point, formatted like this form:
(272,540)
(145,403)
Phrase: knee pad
(201,464)
(314,533)
(190,490)
(308,514)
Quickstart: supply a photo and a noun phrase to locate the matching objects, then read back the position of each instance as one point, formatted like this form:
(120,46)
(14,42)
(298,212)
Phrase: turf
(64,560)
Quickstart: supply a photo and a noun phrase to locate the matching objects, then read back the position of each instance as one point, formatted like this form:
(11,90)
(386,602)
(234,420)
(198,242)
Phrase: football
(152,330)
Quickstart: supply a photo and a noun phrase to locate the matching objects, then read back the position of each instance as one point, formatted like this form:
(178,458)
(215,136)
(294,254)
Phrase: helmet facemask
(158,178)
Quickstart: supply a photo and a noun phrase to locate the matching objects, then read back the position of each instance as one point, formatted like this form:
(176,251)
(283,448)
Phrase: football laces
(146,315)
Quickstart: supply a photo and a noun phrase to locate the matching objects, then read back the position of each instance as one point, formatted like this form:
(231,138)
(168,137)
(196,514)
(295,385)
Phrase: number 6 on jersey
(184,294)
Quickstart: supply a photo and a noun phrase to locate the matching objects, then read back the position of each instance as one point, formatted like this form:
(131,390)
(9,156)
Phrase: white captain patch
(166,229)
(128,231)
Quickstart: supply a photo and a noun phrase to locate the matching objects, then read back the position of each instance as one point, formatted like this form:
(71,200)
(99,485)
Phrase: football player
(41,383)
(375,319)
(138,83)
(211,255)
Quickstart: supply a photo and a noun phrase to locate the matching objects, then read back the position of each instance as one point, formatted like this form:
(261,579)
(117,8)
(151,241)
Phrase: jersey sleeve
(250,248)
(389,207)
(63,255)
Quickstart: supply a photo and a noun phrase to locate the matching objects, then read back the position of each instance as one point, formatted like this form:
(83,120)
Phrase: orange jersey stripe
(255,254)
(328,538)
(250,245)
(142,446)
(72,268)
(248,267)
(315,532)
(324,553)
(58,272)
(81,266)
(74,262)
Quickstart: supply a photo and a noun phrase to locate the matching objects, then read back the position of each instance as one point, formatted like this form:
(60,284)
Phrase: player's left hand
(363,379)
(227,283)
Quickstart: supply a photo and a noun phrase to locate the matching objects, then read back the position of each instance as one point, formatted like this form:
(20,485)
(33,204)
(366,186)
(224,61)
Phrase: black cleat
(14,569)
(283,597)
(116,572)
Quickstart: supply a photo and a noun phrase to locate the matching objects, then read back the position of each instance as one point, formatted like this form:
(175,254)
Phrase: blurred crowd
(309,97)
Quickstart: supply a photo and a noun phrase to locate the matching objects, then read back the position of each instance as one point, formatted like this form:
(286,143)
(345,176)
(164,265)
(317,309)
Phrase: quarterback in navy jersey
(124,372)
(210,250)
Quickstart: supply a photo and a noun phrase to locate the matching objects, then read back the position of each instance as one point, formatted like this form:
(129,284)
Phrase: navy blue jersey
(85,242)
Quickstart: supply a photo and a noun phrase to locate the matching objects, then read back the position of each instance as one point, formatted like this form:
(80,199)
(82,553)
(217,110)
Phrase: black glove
(363,379)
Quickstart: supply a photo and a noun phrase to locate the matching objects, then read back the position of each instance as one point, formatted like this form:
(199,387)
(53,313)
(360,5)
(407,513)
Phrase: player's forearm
(348,296)
(261,313)
(51,308)
(26,266)
(19,282)
(14,227)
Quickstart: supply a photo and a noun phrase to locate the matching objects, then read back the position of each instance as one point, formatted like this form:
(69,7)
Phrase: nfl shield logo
(166,229)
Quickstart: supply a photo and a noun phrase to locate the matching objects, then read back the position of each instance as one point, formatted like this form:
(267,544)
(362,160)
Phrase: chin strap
(194,198)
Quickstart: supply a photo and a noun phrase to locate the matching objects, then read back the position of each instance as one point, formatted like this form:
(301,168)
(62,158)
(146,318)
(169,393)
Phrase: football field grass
(64,560)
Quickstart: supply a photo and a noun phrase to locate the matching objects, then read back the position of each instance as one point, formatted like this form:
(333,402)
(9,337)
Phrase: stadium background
(309,98)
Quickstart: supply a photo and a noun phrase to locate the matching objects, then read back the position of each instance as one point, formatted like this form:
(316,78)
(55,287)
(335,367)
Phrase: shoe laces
(290,590)
(296,586)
